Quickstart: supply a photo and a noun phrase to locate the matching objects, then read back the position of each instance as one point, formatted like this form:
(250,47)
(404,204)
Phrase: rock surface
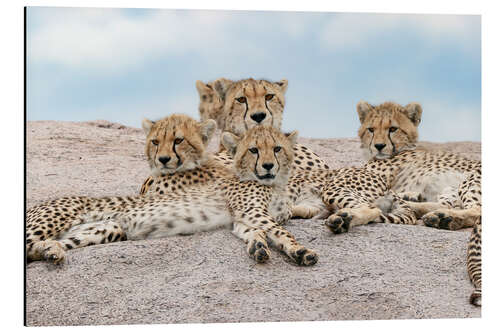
(374,272)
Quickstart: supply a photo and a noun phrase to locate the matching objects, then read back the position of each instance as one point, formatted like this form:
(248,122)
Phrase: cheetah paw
(54,253)
(441,220)
(283,217)
(339,222)
(305,257)
(259,251)
(412,196)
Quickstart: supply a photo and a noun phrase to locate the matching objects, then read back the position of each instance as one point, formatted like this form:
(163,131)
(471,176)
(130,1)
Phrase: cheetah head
(263,154)
(176,143)
(211,105)
(388,129)
(249,103)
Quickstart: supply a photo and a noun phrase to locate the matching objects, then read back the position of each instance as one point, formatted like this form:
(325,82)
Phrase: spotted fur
(346,197)
(442,188)
(241,105)
(204,197)
(474,262)
(211,105)
(177,144)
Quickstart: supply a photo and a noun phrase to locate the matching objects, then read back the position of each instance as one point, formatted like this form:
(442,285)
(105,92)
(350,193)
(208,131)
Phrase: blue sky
(125,64)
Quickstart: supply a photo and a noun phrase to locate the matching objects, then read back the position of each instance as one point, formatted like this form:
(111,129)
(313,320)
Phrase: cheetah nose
(380,146)
(164,159)
(268,166)
(258,117)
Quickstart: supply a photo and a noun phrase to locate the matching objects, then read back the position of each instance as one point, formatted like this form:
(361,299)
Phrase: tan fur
(266,146)
(249,103)
(205,197)
(176,143)
(384,118)
(217,101)
(211,105)
(448,184)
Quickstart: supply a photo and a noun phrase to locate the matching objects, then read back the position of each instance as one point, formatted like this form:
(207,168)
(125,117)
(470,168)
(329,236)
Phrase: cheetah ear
(203,88)
(293,137)
(208,129)
(230,142)
(414,112)
(363,109)
(146,125)
(282,85)
(221,86)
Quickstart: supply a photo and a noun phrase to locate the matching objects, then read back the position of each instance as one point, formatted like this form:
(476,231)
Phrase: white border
(12,112)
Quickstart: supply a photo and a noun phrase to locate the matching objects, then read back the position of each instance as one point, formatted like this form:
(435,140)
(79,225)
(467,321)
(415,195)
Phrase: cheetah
(442,188)
(202,195)
(280,209)
(346,197)
(237,106)
(211,105)
(241,105)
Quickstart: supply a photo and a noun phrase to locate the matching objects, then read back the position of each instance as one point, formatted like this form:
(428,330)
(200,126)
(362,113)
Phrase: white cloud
(106,38)
(349,31)
(450,121)
(109,39)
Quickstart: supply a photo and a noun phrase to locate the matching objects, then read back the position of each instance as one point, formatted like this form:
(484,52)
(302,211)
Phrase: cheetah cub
(240,105)
(202,194)
(442,188)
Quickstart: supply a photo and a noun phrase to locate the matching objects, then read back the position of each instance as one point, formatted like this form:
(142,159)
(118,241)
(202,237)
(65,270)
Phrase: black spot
(75,240)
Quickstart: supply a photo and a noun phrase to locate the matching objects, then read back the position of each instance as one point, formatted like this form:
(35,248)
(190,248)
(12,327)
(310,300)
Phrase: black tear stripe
(276,157)
(371,140)
(156,154)
(393,146)
(256,161)
(179,162)
(267,107)
(245,115)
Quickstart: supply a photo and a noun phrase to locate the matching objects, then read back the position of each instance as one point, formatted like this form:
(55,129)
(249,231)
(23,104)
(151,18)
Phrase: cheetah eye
(178,140)
(204,97)
(370,129)
(253,150)
(269,97)
(242,99)
(155,142)
(393,129)
(277,149)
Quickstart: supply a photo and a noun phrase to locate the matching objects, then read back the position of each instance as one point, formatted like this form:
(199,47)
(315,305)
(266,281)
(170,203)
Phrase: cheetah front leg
(286,242)
(50,250)
(281,238)
(469,193)
(344,219)
(358,210)
(255,239)
(350,209)
(452,218)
